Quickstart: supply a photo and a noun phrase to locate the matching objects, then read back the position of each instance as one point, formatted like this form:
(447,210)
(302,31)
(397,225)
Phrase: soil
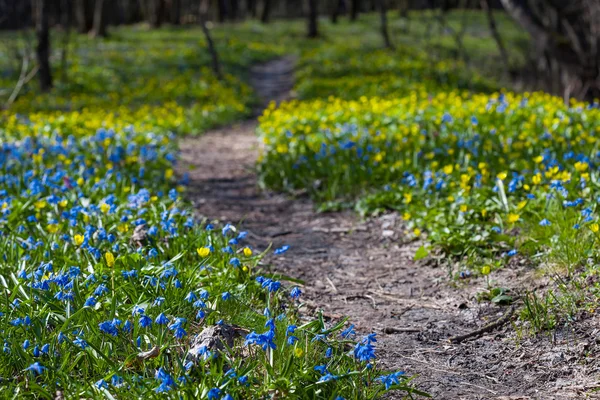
(364,269)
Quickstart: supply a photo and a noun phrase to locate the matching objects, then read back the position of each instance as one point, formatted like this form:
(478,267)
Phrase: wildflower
(295,293)
(78,240)
(110,259)
(348,332)
(390,380)
(203,251)
(214,394)
(101,384)
(298,352)
(109,327)
(281,250)
(90,302)
(545,222)
(36,368)
(512,218)
(594,227)
(247,251)
(161,319)
(145,321)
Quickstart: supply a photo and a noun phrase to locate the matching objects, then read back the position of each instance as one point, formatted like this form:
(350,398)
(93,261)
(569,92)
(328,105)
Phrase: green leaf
(421,253)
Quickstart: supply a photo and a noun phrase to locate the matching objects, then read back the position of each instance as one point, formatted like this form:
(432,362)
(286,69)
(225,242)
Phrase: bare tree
(313,14)
(354,10)
(99,25)
(214,56)
(43,44)
(381,5)
(485,6)
(83,16)
(66,23)
(266,11)
(567,36)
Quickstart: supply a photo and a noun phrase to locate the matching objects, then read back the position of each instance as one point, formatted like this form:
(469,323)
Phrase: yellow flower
(110,259)
(123,228)
(594,227)
(63,203)
(463,208)
(448,169)
(581,166)
(40,204)
(483,213)
(203,251)
(52,228)
(78,239)
(298,352)
(417,232)
(486,269)
(80,181)
(538,159)
(169,173)
(407,197)
(537,178)
(512,218)
(451,199)
(104,208)
(406,216)
(247,251)
(521,205)
(502,176)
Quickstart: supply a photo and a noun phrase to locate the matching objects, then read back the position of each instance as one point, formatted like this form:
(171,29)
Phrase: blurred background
(71,55)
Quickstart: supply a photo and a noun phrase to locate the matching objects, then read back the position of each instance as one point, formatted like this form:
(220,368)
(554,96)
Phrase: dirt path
(363,269)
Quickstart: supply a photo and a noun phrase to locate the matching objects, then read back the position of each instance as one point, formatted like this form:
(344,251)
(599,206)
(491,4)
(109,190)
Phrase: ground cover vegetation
(112,287)
(482,175)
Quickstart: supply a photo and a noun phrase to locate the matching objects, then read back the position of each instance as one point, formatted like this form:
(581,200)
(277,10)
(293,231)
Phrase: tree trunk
(216,65)
(82,15)
(313,15)
(384,24)
(175,12)
(233,8)
(336,9)
(354,10)
(251,8)
(99,26)
(155,13)
(266,11)
(221,10)
(485,6)
(568,33)
(43,44)
(66,23)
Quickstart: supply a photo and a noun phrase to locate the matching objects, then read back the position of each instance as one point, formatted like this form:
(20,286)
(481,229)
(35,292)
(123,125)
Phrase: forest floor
(364,269)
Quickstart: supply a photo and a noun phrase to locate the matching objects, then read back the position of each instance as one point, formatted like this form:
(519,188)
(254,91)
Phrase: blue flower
(348,332)
(390,380)
(145,321)
(295,293)
(214,394)
(364,351)
(101,384)
(90,302)
(281,250)
(36,368)
(109,327)
(162,319)
(545,222)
